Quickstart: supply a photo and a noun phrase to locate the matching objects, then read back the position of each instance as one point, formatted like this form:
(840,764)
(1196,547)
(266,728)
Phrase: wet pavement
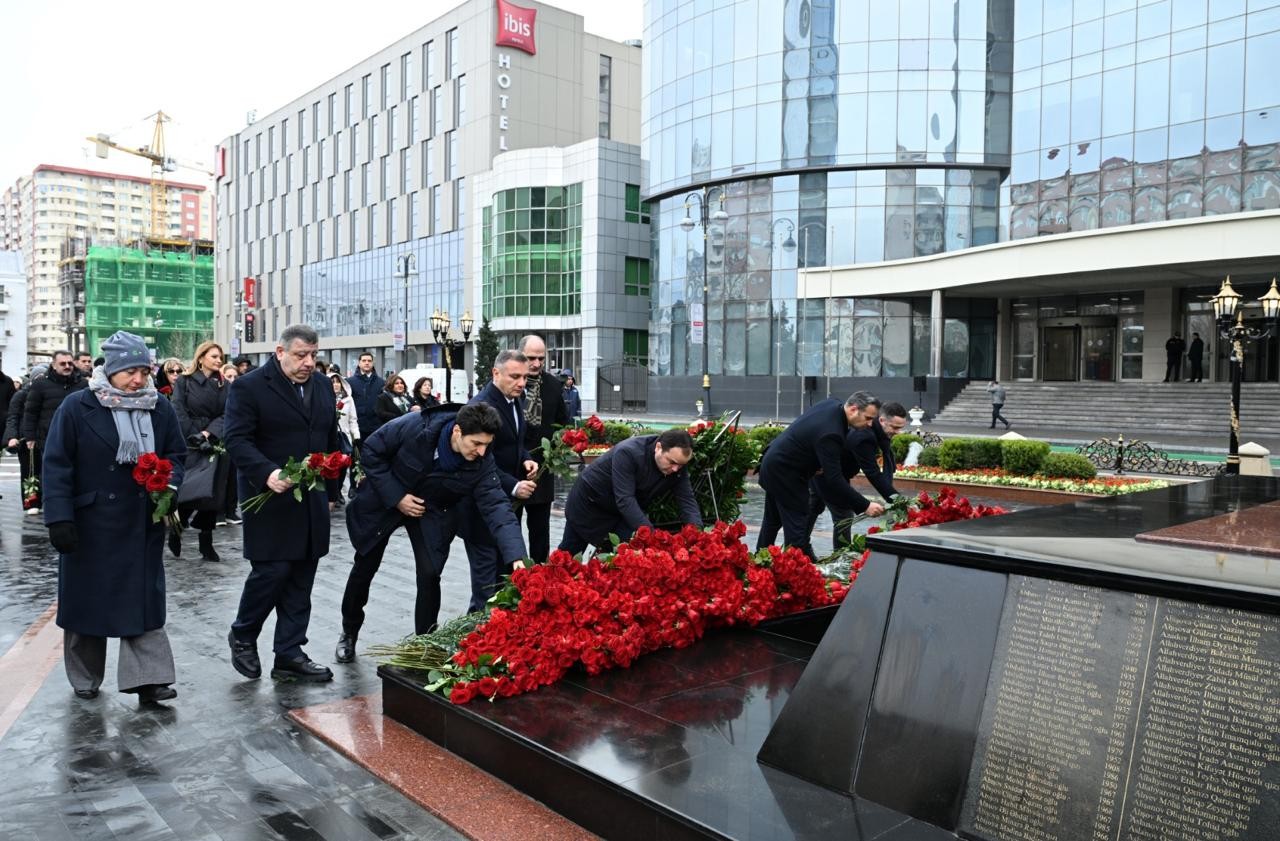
(222,761)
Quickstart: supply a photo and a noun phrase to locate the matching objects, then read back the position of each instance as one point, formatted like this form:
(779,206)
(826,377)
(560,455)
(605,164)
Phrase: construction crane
(160,164)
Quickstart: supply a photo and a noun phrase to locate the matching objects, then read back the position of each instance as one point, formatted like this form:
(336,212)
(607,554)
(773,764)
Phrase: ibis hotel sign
(515,30)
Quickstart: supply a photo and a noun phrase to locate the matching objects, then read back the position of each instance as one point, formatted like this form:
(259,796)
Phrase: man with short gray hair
(284,409)
(810,448)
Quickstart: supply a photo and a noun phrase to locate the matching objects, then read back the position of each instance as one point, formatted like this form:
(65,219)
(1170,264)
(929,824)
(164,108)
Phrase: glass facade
(532,252)
(362,293)
(1127,112)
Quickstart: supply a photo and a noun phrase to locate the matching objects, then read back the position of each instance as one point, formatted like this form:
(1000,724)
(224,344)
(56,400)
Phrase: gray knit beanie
(124,350)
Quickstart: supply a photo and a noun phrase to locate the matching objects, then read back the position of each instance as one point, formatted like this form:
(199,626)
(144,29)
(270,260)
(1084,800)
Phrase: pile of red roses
(944,507)
(657,590)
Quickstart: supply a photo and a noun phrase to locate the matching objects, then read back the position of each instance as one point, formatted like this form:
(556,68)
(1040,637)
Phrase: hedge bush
(969,453)
(1022,458)
(900,444)
(930,456)
(616,433)
(1068,466)
(762,436)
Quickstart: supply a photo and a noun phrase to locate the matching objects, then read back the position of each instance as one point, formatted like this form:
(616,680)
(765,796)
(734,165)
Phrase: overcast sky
(73,68)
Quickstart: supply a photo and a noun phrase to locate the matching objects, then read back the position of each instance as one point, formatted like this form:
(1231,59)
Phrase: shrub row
(1019,458)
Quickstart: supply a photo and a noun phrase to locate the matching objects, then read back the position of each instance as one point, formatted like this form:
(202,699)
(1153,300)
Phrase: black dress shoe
(206,547)
(244,656)
(87,694)
(346,650)
(153,693)
(303,670)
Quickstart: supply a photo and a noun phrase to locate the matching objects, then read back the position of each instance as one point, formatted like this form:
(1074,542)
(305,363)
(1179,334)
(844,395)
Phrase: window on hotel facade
(635,347)
(460,204)
(435,210)
(532,252)
(349,100)
(428,65)
(437,111)
(452,59)
(333,113)
(366,93)
(451,155)
(415,217)
(392,129)
(428,162)
(636,210)
(606,94)
(386,176)
(415,126)
(636,277)
(384,89)
(406,76)
(315,121)
(459,101)
(406,171)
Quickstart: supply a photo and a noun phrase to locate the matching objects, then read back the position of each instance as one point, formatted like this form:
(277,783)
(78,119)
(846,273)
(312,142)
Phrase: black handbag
(205,478)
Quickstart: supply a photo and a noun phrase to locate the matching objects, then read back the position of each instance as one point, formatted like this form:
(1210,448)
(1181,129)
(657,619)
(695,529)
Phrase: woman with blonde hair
(200,400)
(167,374)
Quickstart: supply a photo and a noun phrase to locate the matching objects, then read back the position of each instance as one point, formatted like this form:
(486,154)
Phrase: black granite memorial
(1043,674)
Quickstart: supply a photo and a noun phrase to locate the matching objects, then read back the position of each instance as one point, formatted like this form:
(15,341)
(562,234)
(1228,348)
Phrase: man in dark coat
(611,495)
(1195,355)
(515,466)
(811,447)
(110,565)
(1173,350)
(365,386)
(418,468)
(46,396)
(544,410)
(864,450)
(283,409)
(13,438)
(7,390)
(572,400)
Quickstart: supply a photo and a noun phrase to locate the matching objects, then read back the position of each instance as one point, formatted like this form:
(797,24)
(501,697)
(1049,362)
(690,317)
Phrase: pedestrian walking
(1195,356)
(284,409)
(47,394)
(998,395)
(110,565)
(200,401)
(418,469)
(1173,350)
(348,426)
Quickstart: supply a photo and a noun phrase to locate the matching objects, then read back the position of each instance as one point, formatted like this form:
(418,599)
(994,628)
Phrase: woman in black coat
(200,400)
(423,394)
(394,401)
(110,565)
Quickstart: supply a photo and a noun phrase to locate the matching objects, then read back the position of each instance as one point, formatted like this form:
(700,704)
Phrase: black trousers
(575,542)
(1197,369)
(1173,369)
(996,416)
(841,518)
(794,522)
(282,586)
(426,608)
(26,461)
(539,514)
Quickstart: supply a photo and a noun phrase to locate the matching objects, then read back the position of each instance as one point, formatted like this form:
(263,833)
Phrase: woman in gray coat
(110,570)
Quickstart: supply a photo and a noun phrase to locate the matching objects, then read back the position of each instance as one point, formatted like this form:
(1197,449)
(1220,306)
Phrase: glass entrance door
(1098,346)
(1061,357)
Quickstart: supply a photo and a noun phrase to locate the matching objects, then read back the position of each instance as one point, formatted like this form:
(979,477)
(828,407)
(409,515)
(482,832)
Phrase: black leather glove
(64,537)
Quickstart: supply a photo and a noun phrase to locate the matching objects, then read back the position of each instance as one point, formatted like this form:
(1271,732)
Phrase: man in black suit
(284,408)
(515,467)
(864,449)
(418,469)
(365,385)
(544,410)
(811,448)
(611,495)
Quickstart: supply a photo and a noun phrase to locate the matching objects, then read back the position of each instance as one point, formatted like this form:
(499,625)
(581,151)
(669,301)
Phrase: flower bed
(1101,486)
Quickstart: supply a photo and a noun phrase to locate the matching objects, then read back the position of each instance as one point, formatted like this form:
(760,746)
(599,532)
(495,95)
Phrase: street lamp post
(440,327)
(406,265)
(789,246)
(705,217)
(1226,307)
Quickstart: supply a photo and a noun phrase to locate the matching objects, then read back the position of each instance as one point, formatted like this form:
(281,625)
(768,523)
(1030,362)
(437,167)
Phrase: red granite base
(475,803)
(1253,531)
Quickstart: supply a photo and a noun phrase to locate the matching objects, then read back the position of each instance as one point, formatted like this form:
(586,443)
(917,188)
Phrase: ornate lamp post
(1226,308)
(440,327)
(406,265)
(789,246)
(705,217)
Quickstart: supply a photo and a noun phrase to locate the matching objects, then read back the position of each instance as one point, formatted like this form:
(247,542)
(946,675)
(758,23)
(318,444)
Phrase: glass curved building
(803,143)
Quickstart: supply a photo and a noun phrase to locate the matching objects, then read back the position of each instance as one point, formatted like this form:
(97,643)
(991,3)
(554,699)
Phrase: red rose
(339,405)
(487,687)
(462,693)
(156,482)
(336,461)
(148,461)
(166,390)
(315,461)
(140,475)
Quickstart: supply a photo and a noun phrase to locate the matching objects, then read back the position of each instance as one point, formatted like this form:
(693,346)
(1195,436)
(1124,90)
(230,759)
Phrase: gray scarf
(131,410)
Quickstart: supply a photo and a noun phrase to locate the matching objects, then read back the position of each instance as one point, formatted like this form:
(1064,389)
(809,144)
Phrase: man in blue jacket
(283,409)
(811,447)
(365,386)
(418,468)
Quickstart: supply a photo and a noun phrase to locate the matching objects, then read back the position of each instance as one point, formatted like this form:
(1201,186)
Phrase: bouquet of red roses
(306,475)
(153,474)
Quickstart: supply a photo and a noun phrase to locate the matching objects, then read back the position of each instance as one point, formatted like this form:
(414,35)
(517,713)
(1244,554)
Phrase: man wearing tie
(505,392)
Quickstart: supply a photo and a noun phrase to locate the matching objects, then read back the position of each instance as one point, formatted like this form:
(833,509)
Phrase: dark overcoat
(365,390)
(867,445)
(113,585)
(400,458)
(812,442)
(266,423)
(200,402)
(554,414)
(508,448)
(44,397)
(613,492)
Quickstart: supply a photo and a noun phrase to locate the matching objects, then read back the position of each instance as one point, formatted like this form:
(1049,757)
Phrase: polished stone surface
(1097,538)
(1253,531)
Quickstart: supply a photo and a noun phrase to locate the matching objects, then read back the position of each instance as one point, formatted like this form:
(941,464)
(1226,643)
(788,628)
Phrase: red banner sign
(515,27)
(250,292)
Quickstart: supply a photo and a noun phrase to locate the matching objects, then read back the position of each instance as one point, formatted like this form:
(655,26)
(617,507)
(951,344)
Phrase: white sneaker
(33,510)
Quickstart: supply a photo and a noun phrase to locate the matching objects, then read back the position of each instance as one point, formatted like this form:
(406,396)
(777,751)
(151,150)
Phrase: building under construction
(160,289)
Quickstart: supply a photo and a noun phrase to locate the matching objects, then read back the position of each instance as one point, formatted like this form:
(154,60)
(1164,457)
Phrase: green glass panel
(537,305)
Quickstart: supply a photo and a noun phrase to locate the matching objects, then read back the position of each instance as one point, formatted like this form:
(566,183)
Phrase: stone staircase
(1138,409)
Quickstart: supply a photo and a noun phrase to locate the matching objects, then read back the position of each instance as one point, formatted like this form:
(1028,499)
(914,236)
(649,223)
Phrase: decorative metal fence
(1140,457)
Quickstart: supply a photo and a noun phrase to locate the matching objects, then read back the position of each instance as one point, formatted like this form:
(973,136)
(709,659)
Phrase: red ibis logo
(515,27)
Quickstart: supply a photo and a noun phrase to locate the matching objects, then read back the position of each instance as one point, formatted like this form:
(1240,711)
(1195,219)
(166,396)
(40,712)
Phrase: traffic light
(248,327)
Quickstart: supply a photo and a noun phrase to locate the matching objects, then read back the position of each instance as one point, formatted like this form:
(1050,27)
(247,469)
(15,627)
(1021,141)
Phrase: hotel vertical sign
(515,30)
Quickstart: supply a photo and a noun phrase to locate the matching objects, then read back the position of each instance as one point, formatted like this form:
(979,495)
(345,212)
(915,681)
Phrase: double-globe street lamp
(705,217)
(1226,308)
(440,327)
